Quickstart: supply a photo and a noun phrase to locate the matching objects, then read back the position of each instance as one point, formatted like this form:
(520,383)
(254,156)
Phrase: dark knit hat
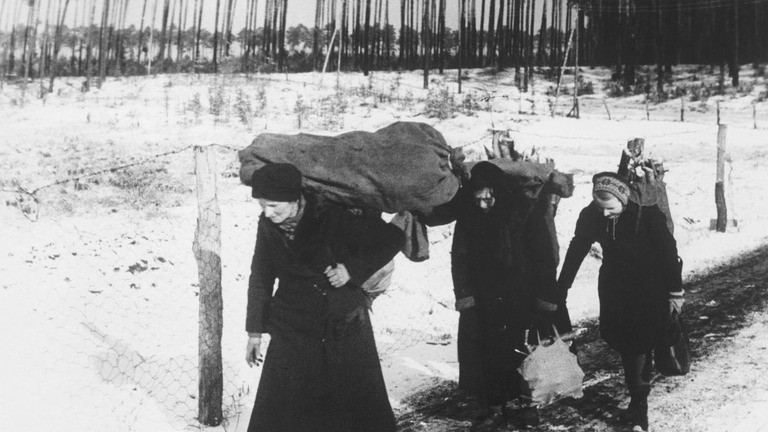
(612,183)
(276,182)
(485,175)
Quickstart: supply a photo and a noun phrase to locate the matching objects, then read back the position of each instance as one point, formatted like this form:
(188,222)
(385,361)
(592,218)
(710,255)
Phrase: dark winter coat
(504,260)
(639,270)
(322,370)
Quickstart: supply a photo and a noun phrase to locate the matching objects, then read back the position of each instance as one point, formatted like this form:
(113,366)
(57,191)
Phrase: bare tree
(57,41)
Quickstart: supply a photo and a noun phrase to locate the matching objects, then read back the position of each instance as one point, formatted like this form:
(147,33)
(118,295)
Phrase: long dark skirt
(322,386)
(632,310)
(489,355)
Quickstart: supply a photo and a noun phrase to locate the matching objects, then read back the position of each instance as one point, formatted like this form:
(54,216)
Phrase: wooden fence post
(754,115)
(722,211)
(682,108)
(647,108)
(207,249)
(718,115)
(605,104)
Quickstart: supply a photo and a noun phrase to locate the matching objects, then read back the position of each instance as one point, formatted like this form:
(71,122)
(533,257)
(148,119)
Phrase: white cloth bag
(552,372)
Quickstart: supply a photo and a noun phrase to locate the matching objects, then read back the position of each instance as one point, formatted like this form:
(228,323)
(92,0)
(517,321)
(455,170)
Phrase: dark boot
(493,422)
(525,417)
(637,412)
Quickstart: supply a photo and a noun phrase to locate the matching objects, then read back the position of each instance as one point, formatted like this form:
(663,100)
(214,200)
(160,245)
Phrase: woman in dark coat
(504,279)
(321,371)
(639,279)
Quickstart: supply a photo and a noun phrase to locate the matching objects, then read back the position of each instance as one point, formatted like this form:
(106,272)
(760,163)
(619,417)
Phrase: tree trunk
(215,38)
(735,49)
(366,40)
(199,29)
(141,30)
(492,36)
(460,52)
(500,37)
(62,15)
(441,35)
(164,30)
(103,45)
(425,43)
(281,39)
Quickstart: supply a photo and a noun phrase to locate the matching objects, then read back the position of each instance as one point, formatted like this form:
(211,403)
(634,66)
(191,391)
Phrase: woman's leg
(637,372)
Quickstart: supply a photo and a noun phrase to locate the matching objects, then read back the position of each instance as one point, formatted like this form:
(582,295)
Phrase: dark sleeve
(260,284)
(581,242)
(375,242)
(460,263)
(444,213)
(665,245)
(542,259)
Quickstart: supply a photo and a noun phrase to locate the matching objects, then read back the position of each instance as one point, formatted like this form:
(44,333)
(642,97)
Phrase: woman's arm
(260,283)
(581,242)
(375,242)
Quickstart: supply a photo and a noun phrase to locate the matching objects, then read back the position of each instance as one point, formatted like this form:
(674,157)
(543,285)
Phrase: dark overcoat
(639,270)
(322,371)
(502,259)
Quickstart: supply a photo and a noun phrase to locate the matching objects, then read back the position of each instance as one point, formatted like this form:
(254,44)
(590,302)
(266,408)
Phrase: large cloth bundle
(404,166)
(533,177)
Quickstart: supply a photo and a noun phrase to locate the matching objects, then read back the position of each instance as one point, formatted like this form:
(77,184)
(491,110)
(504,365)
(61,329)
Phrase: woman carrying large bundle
(639,280)
(322,370)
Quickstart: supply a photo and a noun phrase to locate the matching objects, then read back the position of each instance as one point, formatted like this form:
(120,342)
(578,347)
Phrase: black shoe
(636,414)
(490,423)
(641,422)
(526,417)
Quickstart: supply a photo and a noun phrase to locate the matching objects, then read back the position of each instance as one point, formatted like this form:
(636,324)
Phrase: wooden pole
(560,75)
(461,47)
(718,112)
(722,211)
(647,108)
(682,108)
(576,66)
(329,49)
(605,104)
(207,249)
(754,115)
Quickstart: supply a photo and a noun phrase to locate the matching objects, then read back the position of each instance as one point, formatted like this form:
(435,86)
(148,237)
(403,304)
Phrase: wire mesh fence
(132,347)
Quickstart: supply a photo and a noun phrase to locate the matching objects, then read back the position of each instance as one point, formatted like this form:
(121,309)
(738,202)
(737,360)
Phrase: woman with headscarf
(504,274)
(639,282)
(322,371)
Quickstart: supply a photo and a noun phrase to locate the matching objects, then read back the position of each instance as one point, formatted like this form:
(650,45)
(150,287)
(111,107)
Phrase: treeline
(91,38)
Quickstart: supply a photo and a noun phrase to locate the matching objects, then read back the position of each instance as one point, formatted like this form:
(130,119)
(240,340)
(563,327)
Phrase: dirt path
(725,390)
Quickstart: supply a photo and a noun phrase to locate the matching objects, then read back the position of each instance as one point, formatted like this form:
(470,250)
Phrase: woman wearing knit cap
(639,282)
(321,371)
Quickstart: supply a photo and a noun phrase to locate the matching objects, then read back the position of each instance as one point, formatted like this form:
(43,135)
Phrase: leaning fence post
(682,108)
(207,249)
(722,211)
(754,114)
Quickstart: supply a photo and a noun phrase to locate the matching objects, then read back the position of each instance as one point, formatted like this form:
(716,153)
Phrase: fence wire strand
(161,364)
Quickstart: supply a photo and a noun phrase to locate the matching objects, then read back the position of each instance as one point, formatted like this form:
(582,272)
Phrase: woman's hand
(676,301)
(337,275)
(253,350)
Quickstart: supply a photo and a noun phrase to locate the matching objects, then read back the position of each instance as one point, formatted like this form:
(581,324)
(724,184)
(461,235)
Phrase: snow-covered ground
(98,297)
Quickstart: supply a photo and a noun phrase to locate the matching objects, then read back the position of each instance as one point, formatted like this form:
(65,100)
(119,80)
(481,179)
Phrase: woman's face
(484,199)
(279,211)
(611,207)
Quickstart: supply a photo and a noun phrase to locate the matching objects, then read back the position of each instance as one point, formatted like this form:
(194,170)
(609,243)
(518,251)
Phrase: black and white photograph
(384,215)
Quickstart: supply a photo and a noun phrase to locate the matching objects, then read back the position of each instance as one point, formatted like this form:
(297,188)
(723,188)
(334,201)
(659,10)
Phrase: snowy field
(98,285)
